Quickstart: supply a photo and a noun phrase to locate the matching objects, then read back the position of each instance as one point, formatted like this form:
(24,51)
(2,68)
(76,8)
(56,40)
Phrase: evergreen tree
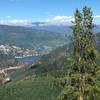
(81,83)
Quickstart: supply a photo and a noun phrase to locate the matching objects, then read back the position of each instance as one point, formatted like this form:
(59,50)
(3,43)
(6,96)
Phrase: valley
(24,69)
(18,53)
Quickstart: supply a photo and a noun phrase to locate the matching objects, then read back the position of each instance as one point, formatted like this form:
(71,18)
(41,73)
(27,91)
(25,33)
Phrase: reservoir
(30,59)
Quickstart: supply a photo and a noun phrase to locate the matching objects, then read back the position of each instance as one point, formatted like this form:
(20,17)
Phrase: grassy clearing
(35,89)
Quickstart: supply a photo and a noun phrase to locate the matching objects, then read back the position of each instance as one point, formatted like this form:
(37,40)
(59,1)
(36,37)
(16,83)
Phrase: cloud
(96,16)
(16,22)
(64,20)
(96,19)
(58,20)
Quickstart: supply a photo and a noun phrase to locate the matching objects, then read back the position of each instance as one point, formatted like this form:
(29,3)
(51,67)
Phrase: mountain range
(30,37)
(59,28)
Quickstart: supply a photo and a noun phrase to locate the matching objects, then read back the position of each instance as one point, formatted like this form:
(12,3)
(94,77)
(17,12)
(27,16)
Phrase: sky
(24,12)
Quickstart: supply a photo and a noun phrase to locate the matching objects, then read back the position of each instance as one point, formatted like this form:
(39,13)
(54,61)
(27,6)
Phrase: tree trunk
(81,97)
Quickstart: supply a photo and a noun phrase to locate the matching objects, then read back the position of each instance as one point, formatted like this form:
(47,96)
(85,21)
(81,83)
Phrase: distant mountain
(41,36)
(59,28)
(28,37)
(97,28)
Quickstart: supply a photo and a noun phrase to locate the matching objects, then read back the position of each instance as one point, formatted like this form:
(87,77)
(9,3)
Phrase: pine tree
(82,84)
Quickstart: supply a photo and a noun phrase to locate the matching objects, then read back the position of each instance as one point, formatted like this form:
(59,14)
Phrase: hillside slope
(34,89)
(28,37)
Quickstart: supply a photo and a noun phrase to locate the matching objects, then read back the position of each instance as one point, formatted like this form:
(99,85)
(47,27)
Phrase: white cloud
(96,16)
(58,20)
(16,22)
(64,20)
(96,19)
(61,19)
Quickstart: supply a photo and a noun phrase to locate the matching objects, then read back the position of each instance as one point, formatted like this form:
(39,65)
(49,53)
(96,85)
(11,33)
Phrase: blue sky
(44,10)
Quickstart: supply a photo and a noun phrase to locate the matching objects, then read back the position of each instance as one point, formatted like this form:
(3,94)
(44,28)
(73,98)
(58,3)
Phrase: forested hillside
(27,37)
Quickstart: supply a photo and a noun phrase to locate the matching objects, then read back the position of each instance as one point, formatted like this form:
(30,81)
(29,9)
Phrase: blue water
(30,59)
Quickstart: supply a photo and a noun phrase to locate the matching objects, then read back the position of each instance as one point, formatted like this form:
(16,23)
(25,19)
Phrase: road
(3,71)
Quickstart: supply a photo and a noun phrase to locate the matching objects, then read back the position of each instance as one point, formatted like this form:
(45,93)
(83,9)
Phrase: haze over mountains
(29,37)
(58,27)
(59,24)
(40,35)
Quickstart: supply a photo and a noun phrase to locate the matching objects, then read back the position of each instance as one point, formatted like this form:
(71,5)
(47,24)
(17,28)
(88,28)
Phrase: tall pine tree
(82,84)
